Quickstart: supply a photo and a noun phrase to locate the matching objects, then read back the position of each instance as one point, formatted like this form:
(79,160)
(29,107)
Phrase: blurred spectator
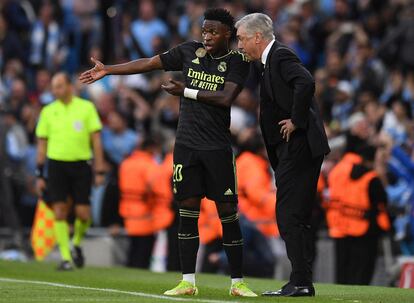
(18,96)
(118,141)
(356,217)
(9,214)
(257,205)
(397,47)
(17,16)
(343,104)
(401,196)
(397,120)
(192,17)
(89,22)
(48,46)
(147,32)
(139,203)
(41,94)
(15,146)
(10,43)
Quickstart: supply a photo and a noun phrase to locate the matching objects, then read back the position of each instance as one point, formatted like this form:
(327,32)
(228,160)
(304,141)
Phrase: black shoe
(65,266)
(77,256)
(290,290)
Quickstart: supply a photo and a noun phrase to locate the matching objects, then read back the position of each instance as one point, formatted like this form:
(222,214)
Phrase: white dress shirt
(266,51)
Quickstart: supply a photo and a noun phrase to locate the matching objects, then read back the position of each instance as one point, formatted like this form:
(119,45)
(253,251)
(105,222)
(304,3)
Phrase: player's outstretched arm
(132,67)
(223,97)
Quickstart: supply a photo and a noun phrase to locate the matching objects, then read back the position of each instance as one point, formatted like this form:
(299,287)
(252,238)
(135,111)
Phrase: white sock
(235,280)
(189,278)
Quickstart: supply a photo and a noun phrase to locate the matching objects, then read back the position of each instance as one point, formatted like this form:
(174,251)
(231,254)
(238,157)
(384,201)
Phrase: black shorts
(199,173)
(66,179)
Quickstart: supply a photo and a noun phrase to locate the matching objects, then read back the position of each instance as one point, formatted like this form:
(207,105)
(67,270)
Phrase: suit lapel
(266,74)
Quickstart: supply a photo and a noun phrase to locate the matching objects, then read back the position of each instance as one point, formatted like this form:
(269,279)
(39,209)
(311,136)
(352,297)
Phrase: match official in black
(295,139)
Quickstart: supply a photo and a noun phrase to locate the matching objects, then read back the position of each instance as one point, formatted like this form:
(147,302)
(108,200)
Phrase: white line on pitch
(132,293)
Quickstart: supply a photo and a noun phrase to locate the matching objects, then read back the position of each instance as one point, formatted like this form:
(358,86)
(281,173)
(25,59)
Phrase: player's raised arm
(132,67)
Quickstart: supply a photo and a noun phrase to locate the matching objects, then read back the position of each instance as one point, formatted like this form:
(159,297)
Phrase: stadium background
(360,53)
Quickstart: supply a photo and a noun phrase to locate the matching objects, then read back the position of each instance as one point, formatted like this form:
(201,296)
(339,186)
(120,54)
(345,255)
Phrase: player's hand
(287,128)
(93,74)
(40,186)
(99,179)
(173,87)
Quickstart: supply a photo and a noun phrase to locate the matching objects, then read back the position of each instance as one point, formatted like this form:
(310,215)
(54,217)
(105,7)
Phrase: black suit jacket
(286,92)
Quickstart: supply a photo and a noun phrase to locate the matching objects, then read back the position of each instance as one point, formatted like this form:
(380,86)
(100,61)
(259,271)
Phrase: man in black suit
(295,139)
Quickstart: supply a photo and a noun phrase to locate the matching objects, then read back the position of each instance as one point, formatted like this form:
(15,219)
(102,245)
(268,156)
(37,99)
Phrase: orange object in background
(257,197)
(144,199)
(337,181)
(43,236)
(349,201)
(161,184)
(209,224)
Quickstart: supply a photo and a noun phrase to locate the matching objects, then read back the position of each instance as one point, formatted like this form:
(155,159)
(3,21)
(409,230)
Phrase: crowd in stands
(359,51)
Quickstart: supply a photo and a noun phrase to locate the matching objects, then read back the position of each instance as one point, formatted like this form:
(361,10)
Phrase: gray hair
(257,23)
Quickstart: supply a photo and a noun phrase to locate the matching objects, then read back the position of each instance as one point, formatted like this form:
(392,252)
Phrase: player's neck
(219,53)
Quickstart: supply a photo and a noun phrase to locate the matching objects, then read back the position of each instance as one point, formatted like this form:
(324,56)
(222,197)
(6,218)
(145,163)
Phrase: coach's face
(248,43)
(216,37)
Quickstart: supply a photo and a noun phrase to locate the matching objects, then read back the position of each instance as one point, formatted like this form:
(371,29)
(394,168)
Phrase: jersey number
(177,175)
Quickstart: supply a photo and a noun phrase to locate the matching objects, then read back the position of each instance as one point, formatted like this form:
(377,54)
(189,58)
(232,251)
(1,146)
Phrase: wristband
(39,172)
(190,93)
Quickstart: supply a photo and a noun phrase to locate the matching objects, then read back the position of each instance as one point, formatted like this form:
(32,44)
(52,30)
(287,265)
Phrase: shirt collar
(266,51)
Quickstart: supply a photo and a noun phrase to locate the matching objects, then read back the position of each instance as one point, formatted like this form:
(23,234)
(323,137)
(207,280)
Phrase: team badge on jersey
(222,67)
(78,126)
(200,52)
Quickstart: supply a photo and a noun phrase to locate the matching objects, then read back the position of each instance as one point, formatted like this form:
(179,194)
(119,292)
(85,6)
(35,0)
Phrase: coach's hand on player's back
(173,87)
(93,74)
(40,186)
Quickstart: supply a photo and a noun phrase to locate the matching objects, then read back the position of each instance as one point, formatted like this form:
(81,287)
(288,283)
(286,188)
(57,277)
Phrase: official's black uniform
(203,159)
(286,92)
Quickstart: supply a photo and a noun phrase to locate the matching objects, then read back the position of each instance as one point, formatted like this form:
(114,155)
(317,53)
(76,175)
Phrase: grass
(130,285)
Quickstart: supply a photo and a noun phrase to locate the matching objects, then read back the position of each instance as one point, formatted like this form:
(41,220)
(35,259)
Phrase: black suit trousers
(296,175)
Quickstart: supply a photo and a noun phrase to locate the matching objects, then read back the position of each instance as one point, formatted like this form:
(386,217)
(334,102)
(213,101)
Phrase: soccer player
(67,131)
(203,158)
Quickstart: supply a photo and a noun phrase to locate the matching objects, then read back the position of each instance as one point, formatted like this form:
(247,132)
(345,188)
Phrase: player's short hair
(220,14)
(257,23)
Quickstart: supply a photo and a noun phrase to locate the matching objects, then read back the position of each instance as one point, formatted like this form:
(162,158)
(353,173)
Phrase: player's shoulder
(238,56)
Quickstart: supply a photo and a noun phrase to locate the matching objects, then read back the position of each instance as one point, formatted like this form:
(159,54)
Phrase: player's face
(215,36)
(247,44)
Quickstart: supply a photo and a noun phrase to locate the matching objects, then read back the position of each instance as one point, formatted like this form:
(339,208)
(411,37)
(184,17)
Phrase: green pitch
(39,282)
